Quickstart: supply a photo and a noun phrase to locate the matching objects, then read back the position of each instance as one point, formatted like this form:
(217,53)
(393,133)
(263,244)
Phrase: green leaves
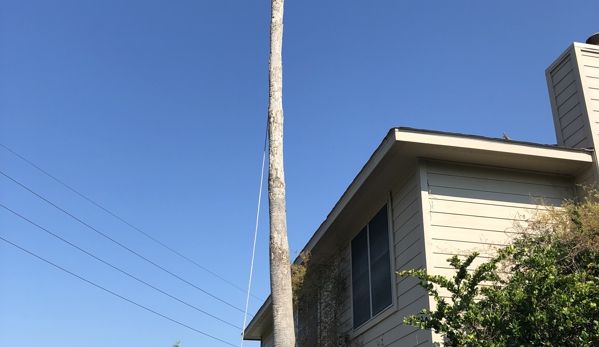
(542,290)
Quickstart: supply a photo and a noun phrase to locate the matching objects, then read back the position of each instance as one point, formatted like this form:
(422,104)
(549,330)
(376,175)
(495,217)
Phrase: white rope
(247,300)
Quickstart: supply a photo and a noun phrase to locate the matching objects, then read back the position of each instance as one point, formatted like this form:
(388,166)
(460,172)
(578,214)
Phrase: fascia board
(256,326)
(494,145)
(370,165)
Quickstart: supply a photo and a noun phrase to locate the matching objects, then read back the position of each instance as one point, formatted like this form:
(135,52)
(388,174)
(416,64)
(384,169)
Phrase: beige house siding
(571,120)
(474,208)
(268,340)
(573,81)
(408,253)
(589,66)
(583,180)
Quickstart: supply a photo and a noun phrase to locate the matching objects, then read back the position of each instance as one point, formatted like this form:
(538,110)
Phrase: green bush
(542,290)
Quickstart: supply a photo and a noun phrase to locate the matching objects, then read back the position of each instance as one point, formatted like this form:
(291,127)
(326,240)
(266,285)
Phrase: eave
(261,322)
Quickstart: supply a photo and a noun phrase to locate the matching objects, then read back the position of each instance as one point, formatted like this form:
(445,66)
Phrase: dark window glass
(371,269)
(380,267)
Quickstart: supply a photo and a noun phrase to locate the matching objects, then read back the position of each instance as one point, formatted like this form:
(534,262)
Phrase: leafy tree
(177,343)
(542,290)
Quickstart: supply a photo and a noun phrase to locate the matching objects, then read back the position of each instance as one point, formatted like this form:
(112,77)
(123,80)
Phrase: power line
(124,221)
(116,268)
(115,294)
(121,245)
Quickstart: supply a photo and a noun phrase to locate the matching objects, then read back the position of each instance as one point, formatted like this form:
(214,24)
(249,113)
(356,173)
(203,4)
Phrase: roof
(403,146)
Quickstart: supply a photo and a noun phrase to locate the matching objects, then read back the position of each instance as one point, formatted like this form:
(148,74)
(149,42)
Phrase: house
(426,195)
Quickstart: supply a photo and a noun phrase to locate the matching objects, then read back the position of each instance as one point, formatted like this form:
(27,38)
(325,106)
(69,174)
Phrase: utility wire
(124,221)
(115,294)
(116,268)
(247,300)
(123,246)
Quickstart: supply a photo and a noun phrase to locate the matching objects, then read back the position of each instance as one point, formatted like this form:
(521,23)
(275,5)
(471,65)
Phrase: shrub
(542,290)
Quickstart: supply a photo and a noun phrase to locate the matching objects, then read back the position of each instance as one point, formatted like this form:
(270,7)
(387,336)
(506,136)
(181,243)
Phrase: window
(371,269)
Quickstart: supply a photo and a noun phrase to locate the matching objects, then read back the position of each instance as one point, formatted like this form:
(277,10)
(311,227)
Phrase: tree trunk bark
(280,265)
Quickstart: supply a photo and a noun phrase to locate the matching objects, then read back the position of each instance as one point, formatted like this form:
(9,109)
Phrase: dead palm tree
(280,277)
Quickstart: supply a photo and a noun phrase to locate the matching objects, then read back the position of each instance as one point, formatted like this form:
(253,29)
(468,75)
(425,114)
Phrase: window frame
(385,312)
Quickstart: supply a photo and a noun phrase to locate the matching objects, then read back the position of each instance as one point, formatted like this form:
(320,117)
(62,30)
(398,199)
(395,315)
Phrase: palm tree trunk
(280,276)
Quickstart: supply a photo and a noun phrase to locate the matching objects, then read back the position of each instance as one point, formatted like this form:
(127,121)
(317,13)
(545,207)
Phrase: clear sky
(156,110)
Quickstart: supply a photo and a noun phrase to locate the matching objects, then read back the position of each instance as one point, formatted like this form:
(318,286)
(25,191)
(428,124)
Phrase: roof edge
(252,332)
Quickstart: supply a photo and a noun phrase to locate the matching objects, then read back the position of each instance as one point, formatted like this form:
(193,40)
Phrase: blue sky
(157,112)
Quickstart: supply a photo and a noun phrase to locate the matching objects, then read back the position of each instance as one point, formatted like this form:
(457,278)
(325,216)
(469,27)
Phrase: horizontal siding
(408,253)
(472,221)
(584,179)
(566,94)
(493,180)
(395,333)
(592,71)
(475,208)
(449,186)
(267,340)
(590,61)
(572,126)
(562,70)
(451,235)
(578,140)
(593,93)
(392,331)
(567,106)
(593,109)
(595,106)
(444,268)
(408,248)
(589,71)
(488,209)
(569,116)
(592,82)
(564,83)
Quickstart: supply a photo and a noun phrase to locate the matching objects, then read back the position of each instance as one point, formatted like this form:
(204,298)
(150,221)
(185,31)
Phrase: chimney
(573,81)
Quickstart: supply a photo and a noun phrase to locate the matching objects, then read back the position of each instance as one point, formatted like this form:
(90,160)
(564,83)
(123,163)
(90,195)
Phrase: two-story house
(426,195)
